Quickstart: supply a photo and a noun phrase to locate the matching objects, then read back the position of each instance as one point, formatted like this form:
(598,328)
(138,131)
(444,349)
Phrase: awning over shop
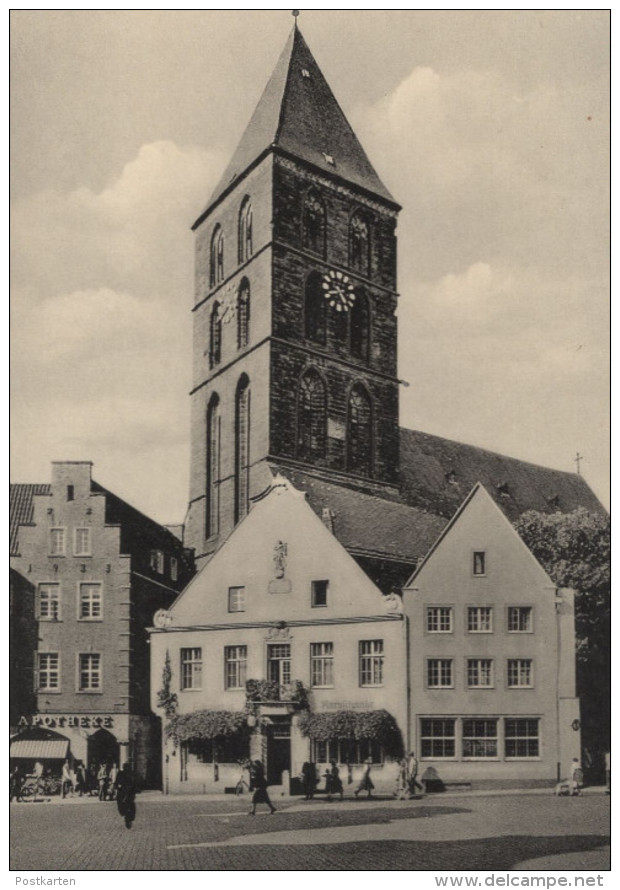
(40,749)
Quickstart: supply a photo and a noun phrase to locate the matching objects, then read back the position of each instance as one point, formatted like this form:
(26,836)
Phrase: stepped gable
(299,116)
(437,474)
(21,509)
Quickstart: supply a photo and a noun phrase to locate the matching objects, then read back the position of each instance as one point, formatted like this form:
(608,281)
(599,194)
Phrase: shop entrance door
(102,748)
(278,752)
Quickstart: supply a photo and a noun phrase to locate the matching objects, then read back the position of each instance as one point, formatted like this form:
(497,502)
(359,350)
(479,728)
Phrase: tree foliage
(166,699)
(575,550)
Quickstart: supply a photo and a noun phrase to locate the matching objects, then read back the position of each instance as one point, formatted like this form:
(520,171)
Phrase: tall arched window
(311,417)
(242,448)
(315,309)
(245,230)
(360,326)
(213,467)
(313,223)
(359,243)
(215,336)
(243,314)
(359,432)
(216,266)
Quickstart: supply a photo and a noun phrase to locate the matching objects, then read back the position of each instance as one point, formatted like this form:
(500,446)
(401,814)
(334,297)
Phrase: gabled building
(280,649)
(87,573)
(492,656)
(295,347)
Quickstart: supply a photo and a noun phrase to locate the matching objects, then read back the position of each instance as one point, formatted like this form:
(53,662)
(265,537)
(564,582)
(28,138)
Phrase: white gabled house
(492,656)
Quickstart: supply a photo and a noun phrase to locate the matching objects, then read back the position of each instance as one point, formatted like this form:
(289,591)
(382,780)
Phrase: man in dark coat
(126,795)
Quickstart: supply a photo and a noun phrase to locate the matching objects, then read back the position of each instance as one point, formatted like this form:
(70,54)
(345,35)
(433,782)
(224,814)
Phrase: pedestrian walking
(81,782)
(333,782)
(16,779)
(607,772)
(401,791)
(66,780)
(258,783)
(112,779)
(308,779)
(412,769)
(576,778)
(37,774)
(102,780)
(366,782)
(126,794)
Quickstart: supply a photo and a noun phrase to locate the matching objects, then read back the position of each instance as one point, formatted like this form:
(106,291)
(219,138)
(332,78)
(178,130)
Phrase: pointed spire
(299,115)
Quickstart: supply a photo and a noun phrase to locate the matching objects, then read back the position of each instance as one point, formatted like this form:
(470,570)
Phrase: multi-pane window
(243,315)
(520,672)
(213,466)
(322,664)
(89,672)
(191,668)
(313,223)
(439,619)
(236,599)
(352,751)
(311,416)
(245,230)
(437,736)
(479,738)
(315,319)
(235,665)
(519,619)
(242,449)
(359,432)
(479,619)
(49,602)
(48,671)
(319,593)
(480,672)
(371,662)
(521,737)
(90,601)
(215,336)
(156,561)
(57,542)
(359,244)
(216,268)
(439,673)
(479,562)
(279,663)
(81,542)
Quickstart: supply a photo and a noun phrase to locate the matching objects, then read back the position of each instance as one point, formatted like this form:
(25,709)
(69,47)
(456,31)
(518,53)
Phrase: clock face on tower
(338,291)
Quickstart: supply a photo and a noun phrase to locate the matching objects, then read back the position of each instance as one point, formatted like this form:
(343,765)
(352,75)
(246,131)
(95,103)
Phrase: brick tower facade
(295,326)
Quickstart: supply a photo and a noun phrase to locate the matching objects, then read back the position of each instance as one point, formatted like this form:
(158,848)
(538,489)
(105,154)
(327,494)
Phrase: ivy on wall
(378,726)
(206,725)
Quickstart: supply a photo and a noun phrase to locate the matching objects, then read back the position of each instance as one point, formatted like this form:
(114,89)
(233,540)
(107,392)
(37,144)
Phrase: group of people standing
(407,784)
(333,783)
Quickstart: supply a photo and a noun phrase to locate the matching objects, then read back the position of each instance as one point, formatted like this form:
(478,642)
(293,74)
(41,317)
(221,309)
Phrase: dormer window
(305,72)
(157,561)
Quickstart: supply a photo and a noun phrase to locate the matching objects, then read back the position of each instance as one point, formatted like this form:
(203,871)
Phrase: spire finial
(295,13)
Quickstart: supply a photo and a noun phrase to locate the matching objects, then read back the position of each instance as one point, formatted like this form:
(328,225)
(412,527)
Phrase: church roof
(299,115)
(437,474)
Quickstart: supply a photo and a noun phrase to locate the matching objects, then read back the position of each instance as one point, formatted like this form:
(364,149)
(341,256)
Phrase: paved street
(465,832)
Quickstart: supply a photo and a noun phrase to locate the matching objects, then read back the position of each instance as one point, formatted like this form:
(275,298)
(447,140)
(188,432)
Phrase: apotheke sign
(72,721)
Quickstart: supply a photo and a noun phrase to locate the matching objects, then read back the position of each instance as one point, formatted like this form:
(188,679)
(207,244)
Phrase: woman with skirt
(258,783)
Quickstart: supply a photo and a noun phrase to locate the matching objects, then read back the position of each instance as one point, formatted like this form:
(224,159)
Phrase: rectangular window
(479,562)
(49,602)
(480,672)
(351,751)
(279,663)
(89,676)
(236,599)
(57,542)
(319,593)
(522,737)
(48,668)
(156,561)
(174,569)
(322,664)
(81,542)
(439,673)
(70,492)
(437,737)
(439,619)
(371,662)
(520,673)
(235,665)
(479,738)
(519,619)
(479,619)
(191,668)
(91,602)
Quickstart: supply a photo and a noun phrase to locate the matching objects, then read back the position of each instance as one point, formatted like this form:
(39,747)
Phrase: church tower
(295,325)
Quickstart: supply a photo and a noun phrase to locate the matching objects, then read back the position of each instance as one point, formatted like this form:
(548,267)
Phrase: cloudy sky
(490,128)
